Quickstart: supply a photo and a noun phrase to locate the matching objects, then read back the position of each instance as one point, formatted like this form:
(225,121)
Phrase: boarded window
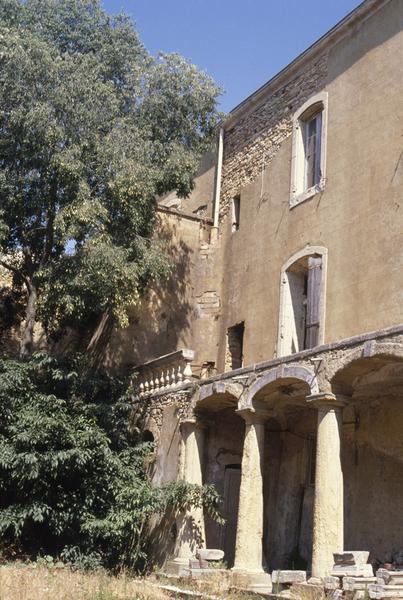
(236,210)
(234,354)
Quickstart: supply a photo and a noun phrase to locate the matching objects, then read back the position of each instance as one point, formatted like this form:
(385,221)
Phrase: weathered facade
(289,295)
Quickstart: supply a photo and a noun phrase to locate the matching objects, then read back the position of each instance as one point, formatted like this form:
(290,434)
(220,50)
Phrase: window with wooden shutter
(308,159)
(314,282)
(302,301)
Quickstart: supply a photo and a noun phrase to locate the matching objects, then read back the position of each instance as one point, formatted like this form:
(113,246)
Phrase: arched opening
(224,435)
(372,454)
(288,471)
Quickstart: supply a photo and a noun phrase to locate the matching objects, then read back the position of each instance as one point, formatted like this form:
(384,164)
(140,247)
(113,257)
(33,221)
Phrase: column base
(253,581)
(178,567)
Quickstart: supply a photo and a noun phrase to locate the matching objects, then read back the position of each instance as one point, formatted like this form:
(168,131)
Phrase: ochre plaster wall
(358,217)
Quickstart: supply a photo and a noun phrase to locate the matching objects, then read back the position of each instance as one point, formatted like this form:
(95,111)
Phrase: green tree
(92,130)
(73,482)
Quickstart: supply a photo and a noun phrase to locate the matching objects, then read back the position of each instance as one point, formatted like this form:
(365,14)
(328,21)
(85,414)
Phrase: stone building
(272,363)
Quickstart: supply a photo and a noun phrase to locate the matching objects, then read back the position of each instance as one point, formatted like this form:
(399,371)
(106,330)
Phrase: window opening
(236,210)
(234,355)
(308,164)
(147,436)
(301,298)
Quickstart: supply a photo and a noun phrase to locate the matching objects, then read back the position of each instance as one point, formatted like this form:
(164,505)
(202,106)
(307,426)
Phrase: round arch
(297,373)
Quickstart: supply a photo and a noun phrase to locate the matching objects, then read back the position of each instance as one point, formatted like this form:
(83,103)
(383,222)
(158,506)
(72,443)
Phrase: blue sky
(240,44)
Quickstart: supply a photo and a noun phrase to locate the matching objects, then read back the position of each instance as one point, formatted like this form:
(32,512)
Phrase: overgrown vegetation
(92,130)
(73,484)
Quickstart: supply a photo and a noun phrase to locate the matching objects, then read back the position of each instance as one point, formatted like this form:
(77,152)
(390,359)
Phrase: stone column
(249,536)
(191,533)
(328,512)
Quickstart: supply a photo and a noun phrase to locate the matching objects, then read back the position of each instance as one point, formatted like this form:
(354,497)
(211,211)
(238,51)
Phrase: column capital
(252,415)
(192,423)
(327,399)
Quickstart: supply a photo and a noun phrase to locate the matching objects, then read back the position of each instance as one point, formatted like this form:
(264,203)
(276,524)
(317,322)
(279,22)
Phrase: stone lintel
(326,399)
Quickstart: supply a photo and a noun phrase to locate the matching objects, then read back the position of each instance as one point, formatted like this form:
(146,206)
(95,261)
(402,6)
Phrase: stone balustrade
(165,372)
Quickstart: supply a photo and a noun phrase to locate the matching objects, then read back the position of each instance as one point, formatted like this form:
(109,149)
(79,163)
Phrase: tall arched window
(302,301)
(308,165)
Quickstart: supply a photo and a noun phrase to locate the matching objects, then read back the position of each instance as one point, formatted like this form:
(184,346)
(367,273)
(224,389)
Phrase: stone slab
(352,571)
(209,554)
(378,592)
(351,584)
(331,583)
(390,577)
(288,576)
(259,582)
(307,591)
(351,557)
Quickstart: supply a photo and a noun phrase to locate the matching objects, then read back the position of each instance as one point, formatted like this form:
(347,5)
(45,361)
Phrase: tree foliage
(72,478)
(92,130)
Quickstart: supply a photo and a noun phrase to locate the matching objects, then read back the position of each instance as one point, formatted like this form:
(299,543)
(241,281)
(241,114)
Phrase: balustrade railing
(165,372)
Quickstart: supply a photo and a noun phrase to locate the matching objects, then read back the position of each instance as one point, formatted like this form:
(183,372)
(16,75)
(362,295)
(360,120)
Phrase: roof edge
(340,30)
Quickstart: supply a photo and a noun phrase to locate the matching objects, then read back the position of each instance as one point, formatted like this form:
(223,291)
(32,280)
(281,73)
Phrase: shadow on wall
(160,323)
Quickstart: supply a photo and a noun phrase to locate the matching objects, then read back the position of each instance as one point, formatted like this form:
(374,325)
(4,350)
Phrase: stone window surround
(307,251)
(297,192)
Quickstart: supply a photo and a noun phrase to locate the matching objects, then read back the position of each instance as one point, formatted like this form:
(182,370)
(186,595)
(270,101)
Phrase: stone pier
(248,569)
(328,517)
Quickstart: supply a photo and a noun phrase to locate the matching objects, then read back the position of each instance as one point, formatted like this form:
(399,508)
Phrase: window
(309,149)
(302,301)
(236,209)
(234,353)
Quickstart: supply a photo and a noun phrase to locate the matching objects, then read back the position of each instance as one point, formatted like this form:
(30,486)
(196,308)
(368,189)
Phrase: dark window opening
(236,211)
(147,436)
(234,356)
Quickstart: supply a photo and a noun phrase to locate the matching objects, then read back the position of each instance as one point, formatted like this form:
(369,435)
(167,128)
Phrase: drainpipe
(218,180)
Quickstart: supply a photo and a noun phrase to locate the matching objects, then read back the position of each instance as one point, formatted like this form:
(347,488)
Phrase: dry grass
(19,582)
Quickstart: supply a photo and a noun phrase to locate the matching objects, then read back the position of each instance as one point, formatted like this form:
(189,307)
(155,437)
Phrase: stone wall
(253,142)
